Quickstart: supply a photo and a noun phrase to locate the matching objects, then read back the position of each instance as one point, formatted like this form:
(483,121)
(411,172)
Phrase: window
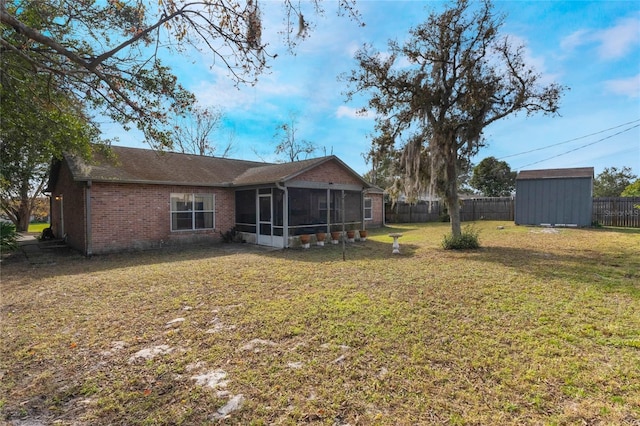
(246,217)
(352,206)
(192,211)
(368,209)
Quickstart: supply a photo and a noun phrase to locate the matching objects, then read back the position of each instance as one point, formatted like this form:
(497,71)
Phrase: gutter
(285,213)
(88,233)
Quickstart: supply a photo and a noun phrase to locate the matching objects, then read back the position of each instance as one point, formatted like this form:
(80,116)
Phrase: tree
(632,190)
(107,54)
(289,146)
(38,124)
(493,178)
(386,174)
(465,172)
(381,173)
(194,129)
(612,181)
(461,77)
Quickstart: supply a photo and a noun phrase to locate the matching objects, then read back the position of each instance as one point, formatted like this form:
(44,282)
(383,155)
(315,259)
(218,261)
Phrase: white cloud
(347,112)
(615,42)
(627,86)
(610,43)
(574,40)
(217,88)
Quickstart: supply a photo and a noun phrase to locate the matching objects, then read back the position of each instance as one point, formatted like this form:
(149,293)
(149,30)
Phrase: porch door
(265,224)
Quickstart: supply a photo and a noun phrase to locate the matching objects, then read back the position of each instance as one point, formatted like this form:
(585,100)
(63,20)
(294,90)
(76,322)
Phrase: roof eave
(152,182)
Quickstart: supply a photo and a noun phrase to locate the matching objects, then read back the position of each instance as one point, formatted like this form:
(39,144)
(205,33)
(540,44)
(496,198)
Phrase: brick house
(138,199)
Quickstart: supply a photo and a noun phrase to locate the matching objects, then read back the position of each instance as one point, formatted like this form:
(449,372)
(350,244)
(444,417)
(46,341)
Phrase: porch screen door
(264,219)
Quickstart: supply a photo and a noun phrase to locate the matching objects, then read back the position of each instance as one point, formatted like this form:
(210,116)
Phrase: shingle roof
(270,173)
(134,165)
(580,172)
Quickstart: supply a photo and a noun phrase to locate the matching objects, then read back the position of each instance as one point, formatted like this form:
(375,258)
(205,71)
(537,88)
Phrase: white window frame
(368,209)
(191,196)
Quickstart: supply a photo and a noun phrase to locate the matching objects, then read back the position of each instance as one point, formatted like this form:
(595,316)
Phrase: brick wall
(377,205)
(134,217)
(70,207)
(331,171)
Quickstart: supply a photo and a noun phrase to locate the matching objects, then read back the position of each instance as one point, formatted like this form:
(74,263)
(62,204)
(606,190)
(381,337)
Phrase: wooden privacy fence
(500,208)
(611,211)
(620,211)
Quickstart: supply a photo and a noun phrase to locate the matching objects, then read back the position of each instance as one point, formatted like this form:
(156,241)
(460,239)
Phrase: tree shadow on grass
(617,229)
(65,261)
(620,272)
(358,251)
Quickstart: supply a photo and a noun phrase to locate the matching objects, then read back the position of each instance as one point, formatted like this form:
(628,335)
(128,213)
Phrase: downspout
(384,212)
(88,236)
(285,214)
(362,209)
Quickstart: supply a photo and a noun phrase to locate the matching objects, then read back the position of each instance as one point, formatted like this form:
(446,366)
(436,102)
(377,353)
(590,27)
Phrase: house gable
(332,172)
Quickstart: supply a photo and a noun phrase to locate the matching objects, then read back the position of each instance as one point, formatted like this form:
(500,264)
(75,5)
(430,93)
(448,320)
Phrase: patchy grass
(536,327)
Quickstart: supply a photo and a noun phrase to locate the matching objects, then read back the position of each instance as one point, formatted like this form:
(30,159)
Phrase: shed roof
(579,172)
(135,165)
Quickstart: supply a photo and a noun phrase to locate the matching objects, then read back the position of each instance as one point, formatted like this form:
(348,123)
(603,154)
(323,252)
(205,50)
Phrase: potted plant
(363,235)
(335,237)
(304,240)
(320,237)
(351,234)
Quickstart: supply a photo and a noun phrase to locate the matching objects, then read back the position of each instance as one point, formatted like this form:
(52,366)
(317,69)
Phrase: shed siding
(564,201)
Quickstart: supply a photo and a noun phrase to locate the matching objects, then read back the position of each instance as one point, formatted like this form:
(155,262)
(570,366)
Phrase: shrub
(229,236)
(467,240)
(8,236)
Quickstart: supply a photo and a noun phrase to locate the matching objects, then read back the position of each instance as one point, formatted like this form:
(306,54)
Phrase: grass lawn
(539,327)
(37,227)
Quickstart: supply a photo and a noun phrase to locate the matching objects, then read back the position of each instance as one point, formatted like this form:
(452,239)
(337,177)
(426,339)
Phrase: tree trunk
(23,216)
(452,199)
(453,205)
(24,209)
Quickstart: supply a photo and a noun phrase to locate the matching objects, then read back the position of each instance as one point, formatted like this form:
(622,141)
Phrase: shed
(554,197)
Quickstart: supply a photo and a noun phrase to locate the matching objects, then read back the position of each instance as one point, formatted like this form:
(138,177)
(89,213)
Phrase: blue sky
(591,47)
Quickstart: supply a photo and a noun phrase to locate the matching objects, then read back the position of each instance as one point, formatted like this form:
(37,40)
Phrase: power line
(571,140)
(583,146)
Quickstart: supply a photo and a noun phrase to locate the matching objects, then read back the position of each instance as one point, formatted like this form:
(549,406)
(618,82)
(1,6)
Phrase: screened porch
(260,212)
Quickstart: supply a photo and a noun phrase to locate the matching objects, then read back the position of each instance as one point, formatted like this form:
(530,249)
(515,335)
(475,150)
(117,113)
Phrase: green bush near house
(8,236)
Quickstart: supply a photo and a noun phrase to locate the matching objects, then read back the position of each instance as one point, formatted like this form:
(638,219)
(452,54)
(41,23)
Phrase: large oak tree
(108,53)
(436,93)
(38,123)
